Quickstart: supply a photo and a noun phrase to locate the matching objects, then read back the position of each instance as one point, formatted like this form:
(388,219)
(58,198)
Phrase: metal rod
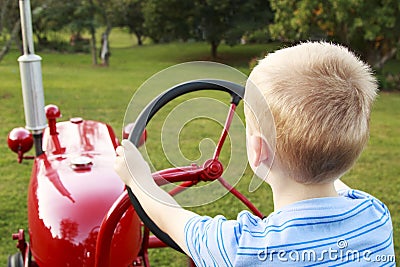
(241,197)
(38,141)
(31,79)
(26,26)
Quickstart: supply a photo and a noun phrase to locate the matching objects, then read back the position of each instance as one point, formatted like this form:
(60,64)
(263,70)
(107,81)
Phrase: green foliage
(168,20)
(210,20)
(129,13)
(389,76)
(9,14)
(390,82)
(260,36)
(163,21)
(372,28)
(74,15)
(229,20)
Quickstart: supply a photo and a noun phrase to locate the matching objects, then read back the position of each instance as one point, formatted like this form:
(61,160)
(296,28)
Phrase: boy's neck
(286,191)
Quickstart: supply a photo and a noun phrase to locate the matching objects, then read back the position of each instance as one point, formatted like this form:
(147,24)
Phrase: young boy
(320,97)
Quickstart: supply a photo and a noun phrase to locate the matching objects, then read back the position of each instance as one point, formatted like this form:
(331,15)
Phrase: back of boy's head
(320,97)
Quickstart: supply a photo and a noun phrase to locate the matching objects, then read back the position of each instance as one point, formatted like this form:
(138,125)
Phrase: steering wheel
(212,169)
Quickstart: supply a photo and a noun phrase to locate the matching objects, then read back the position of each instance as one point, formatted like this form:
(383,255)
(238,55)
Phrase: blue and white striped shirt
(353,229)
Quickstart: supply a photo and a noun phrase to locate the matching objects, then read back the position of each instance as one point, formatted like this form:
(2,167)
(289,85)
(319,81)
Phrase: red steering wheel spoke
(211,170)
(225,131)
(178,174)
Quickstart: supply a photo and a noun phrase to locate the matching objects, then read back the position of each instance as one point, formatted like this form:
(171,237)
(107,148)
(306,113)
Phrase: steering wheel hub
(212,169)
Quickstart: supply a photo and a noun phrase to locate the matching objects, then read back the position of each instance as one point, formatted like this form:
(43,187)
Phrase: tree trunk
(8,44)
(92,31)
(214,47)
(93,48)
(139,38)
(105,47)
(105,44)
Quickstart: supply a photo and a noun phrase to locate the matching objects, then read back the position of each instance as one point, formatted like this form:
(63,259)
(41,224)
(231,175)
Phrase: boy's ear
(261,151)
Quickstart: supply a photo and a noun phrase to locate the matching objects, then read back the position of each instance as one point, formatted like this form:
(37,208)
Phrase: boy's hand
(131,166)
(135,173)
(159,205)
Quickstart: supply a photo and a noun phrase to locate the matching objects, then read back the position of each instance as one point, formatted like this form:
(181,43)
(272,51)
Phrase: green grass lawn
(98,93)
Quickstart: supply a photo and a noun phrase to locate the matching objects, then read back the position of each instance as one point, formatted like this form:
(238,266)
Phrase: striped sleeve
(355,227)
(212,241)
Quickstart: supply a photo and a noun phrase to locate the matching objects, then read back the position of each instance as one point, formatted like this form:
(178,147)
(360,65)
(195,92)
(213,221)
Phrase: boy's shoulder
(349,204)
(355,219)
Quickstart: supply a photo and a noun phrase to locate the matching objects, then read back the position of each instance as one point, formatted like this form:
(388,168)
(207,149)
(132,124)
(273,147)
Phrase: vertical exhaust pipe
(31,79)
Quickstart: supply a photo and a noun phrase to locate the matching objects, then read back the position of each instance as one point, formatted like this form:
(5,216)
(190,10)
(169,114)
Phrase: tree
(167,20)
(77,16)
(229,20)
(46,17)
(372,28)
(209,20)
(90,11)
(129,13)
(215,19)
(10,28)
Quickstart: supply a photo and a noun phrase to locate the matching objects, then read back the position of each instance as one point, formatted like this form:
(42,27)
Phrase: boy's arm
(339,185)
(166,213)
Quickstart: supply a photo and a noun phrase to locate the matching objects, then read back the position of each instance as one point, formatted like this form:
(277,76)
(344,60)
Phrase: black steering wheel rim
(237,93)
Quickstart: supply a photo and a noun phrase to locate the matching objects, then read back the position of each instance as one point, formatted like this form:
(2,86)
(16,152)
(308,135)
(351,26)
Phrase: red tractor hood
(73,185)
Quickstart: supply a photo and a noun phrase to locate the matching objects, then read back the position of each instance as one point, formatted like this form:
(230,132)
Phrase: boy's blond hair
(320,97)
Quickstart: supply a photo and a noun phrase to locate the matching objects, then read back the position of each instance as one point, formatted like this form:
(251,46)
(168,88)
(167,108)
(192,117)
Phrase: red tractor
(79,211)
